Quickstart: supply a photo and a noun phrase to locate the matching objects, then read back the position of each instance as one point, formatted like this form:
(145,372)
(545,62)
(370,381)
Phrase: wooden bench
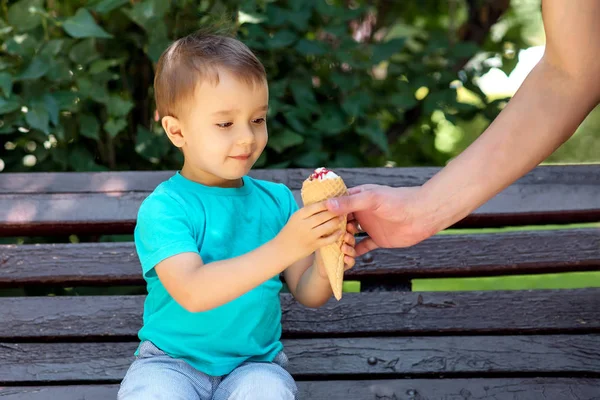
(385,342)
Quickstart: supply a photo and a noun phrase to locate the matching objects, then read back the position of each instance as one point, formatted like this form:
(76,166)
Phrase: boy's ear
(172,127)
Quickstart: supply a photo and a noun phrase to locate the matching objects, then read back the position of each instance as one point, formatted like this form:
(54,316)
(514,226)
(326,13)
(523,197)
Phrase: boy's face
(223,130)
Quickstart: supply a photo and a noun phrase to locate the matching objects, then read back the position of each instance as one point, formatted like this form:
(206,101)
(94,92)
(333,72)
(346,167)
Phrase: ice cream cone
(322,185)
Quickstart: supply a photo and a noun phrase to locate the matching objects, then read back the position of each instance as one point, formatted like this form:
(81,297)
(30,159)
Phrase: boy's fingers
(350,239)
(349,250)
(352,228)
(315,208)
(349,262)
(322,217)
(329,239)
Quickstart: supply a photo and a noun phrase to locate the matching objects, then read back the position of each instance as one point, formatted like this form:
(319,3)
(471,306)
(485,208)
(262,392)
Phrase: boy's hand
(309,229)
(347,249)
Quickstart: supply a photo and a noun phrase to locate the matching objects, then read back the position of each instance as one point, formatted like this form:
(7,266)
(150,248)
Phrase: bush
(351,84)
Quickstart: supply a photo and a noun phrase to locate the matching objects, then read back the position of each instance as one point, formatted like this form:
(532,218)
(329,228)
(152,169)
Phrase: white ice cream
(323,173)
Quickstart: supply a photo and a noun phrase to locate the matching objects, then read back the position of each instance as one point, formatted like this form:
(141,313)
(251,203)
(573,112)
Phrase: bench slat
(52,203)
(146,181)
(357,313)
(422,389)
(443,255)
(565,355)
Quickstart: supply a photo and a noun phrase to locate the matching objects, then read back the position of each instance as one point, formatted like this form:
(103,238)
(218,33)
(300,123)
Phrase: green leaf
(298,5)
(147,13)
(93,90)
(38,118)
(310,47)
(293,119)
(331,121)
(81,160)
(339,30)
(356,104)
(106,6)
(89,126)
(48,104)
(66,100)
(372,130)
(102,65)
(403,101)
(59,70)
(37,68)
(5,29)
(439,100)
(53,47)
(281,39)
(118,107)
(345,160)
(464,49)
(84,52)
(9,105)
(383,51)
(114,126)
(345,81)
(284,140)
(509,64)
(151,145)
(83,25)
(299,19)
(52,106)
(6,83)
(23,15)
(22,45)
(158,41)
(312,159)
(303,94)
(277,16)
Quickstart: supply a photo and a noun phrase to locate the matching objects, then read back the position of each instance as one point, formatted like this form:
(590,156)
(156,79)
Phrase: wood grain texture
(356,314)
(52,203)
(445,255)
(385,389)
(146,181)
(459,356)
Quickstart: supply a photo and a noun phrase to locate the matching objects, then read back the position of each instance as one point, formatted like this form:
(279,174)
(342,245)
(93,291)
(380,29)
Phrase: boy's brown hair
(196,57)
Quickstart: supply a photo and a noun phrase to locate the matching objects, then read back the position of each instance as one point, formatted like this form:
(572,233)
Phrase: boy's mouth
(241,157)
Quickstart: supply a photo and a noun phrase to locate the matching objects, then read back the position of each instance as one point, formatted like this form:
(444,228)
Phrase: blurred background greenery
(353,82)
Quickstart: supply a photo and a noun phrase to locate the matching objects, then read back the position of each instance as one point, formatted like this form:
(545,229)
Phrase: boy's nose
(246,136)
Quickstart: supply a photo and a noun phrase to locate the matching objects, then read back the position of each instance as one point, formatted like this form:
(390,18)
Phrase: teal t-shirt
(218,223)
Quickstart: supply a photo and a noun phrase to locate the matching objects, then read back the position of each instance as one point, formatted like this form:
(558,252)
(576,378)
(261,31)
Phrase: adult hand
(390,216)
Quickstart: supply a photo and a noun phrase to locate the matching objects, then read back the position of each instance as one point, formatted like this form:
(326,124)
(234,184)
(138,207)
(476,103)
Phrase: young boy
(212,241)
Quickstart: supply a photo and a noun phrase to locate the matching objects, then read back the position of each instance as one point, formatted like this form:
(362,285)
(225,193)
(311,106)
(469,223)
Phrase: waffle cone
(331,256)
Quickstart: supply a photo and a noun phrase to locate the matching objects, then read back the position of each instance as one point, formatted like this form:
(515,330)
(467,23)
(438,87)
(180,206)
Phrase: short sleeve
(289,205)
(163,230)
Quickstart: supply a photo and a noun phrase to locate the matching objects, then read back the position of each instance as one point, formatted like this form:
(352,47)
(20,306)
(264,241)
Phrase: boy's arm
(199,287)
(306,284)
(307,279)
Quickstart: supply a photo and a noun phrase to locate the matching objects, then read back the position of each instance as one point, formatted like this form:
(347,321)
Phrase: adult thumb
(351,203)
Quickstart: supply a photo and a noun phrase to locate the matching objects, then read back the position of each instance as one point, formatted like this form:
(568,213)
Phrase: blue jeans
(155,376)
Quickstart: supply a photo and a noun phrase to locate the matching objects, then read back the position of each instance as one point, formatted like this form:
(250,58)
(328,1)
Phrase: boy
(212,241)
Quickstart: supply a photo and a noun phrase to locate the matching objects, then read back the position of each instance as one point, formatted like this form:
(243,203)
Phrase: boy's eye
(225,125)
(259,121)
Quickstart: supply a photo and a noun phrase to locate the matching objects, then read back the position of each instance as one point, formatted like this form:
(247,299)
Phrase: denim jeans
(155,376)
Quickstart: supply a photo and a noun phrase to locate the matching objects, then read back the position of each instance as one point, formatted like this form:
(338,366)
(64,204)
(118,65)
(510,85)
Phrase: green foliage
(345,77)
